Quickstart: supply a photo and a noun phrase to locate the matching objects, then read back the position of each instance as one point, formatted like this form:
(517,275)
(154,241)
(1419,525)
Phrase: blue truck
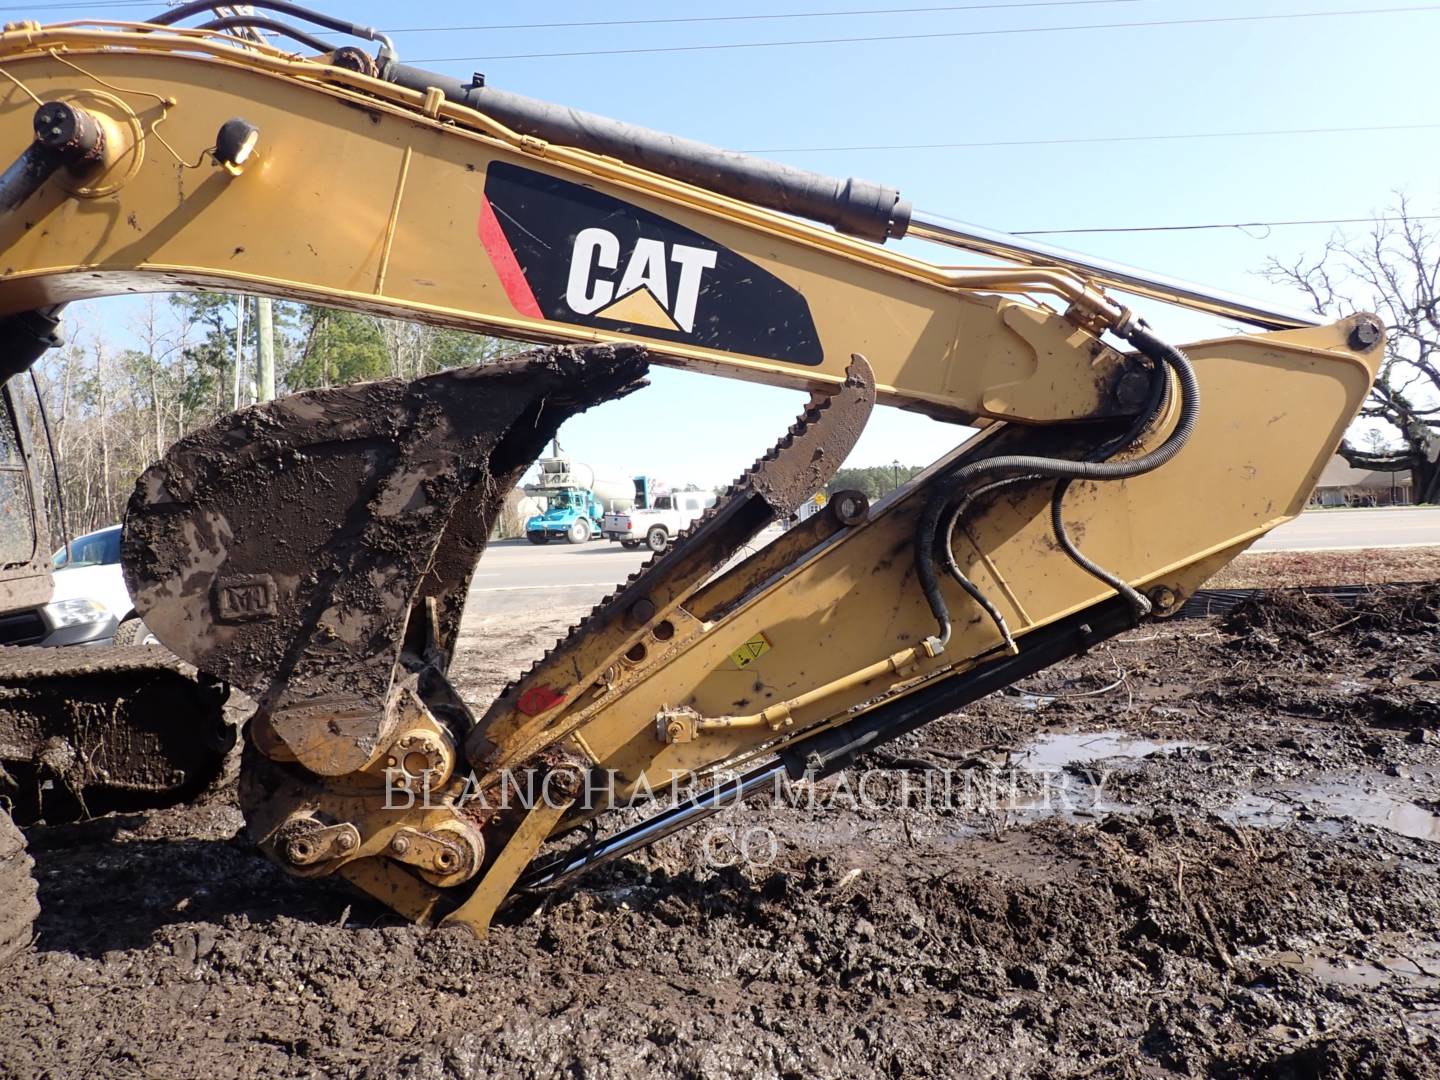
(575,501)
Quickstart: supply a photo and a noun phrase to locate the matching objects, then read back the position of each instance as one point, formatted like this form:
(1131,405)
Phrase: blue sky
(1341,71)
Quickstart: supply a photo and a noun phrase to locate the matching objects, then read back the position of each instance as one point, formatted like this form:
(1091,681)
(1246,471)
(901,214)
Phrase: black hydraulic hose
(1153,408)
(171,16)
(953,568)
(274,26)
(959,507)
(1148,344)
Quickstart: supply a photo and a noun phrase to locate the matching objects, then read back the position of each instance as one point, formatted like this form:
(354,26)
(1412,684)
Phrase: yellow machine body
(361,194)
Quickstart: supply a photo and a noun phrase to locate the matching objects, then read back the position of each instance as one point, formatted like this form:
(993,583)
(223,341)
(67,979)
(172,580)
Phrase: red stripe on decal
(503,258)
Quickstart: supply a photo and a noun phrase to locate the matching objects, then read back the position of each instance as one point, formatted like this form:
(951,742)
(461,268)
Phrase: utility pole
(239,351)
(263,387)
(265,347)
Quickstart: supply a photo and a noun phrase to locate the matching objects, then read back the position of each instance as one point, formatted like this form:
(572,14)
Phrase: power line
(72,7)
(67,7)
(940,9)
(151,6)
(1226,225)
(873,39)
(994,144)
(1093,139)
(936,9)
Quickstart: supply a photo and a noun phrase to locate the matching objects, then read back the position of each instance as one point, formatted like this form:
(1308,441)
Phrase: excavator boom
(317,550)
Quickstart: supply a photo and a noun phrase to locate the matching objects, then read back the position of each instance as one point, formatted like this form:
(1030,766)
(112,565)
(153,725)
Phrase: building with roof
(1341,484)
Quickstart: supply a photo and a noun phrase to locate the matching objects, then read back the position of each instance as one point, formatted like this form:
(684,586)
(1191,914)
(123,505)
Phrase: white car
(90,594)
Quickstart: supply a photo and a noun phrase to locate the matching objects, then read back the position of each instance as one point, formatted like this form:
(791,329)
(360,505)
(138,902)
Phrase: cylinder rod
(551,873)
(1116,275)
(26,174)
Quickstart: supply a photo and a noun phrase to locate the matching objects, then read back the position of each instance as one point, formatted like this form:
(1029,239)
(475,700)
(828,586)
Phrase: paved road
(515,576)
(1339,530)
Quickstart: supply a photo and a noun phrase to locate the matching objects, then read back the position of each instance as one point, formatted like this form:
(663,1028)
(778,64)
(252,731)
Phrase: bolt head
(1366,333)
(1132,389)
(399,845)
(1164,598)
(850,507)
(641,612)
(565,781)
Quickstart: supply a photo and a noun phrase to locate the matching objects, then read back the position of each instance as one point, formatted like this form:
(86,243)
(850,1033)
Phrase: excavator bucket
(400,484)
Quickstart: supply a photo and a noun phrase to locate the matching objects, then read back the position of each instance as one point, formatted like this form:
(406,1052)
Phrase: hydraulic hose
(171,16)
(1153,409)
(1027,466)
(273,26)
(957,511)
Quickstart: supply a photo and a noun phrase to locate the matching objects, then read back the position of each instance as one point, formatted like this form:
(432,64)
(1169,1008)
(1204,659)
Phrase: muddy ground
(1209,848)
(1363,566)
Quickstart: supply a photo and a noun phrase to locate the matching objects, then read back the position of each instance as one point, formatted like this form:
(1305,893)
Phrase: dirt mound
(1403,610)
(1297,613)
(1284,611)
(1395,629)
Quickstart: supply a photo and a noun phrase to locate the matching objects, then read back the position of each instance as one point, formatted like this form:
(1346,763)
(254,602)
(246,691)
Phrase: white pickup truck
(657,525)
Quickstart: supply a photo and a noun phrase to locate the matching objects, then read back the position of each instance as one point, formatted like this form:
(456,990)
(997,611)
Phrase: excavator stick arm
(317,550)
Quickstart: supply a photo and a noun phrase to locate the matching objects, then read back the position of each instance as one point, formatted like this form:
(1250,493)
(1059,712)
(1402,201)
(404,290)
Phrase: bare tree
(116,400)
(1394,272)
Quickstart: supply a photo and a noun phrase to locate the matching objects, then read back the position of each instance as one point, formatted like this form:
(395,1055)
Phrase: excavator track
(88,730)
(18,904)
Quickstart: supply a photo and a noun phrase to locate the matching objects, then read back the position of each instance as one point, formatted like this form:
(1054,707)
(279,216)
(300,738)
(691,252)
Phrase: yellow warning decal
(751,651)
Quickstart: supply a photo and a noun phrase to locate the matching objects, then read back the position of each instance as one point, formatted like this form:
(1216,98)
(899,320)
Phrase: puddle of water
(1048,777)
(1051,753)
(1358,799)
(1414,963)
(1337,799)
